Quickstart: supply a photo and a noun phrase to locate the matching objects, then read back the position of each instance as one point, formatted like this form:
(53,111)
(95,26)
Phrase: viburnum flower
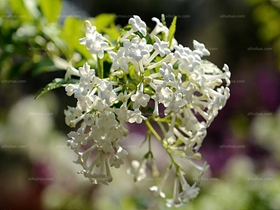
(144,71)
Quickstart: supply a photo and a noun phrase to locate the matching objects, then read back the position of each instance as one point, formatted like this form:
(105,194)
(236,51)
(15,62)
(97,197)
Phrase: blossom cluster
(148,71)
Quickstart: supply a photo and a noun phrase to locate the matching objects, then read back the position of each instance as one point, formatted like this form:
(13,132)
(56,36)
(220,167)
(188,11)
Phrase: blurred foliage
(266,130)
(241,184)
(267,14)
(28,37)
(31,38)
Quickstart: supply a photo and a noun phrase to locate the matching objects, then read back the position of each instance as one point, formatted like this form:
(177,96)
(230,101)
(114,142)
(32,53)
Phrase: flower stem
(161,127)
(100,68)
(152,130)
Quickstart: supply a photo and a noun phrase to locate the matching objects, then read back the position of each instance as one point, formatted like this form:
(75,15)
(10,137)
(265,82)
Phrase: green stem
(152,130)
(146,137)
(173,162)
(158,119)
(150,144)
(161,127)
(100,68)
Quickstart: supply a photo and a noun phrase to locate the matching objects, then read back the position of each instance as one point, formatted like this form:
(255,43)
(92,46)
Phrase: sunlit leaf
(103,21)
(172,30)
(3,5)
(72,39)
(112,32)
(19,11)
(32,8)
(52,33)
(51,9)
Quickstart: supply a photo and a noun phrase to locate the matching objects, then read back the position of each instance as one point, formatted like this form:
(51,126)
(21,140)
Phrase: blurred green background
(39,37)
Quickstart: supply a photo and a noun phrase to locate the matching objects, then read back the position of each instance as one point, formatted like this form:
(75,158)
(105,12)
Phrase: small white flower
(86,71)
(89,119)
(158,189)
(135,116)
(70,89)
(77,138)
(71,114)
(138,170)
(116,161)
(104,175)
(97,133)
(188,59)
(105,145)
(94,41)
(161,47)
(138,24)
(200,49)
(140,99)
(119,60)
(123,97)
(159,28)
(122,114)
(167,72)
(176,200)
(138,48)
(107,120)
(98,103)
(106,91)
(116,133)
(165,96)
(200,169)
(189,192)
(71,71)
(122,152)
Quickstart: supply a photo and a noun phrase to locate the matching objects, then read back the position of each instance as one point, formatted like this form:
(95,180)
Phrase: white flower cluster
(145,67)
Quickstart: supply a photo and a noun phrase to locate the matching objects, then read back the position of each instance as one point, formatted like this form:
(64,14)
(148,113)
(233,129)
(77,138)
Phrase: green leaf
(52,33)
(103,21)
(3,5)
(32,7)
(72,39)
(149,39)
(56,83)
(51,9)
(139,34)
(126,28)
(112,32)
(19,11)
(72,24)
(172,30)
